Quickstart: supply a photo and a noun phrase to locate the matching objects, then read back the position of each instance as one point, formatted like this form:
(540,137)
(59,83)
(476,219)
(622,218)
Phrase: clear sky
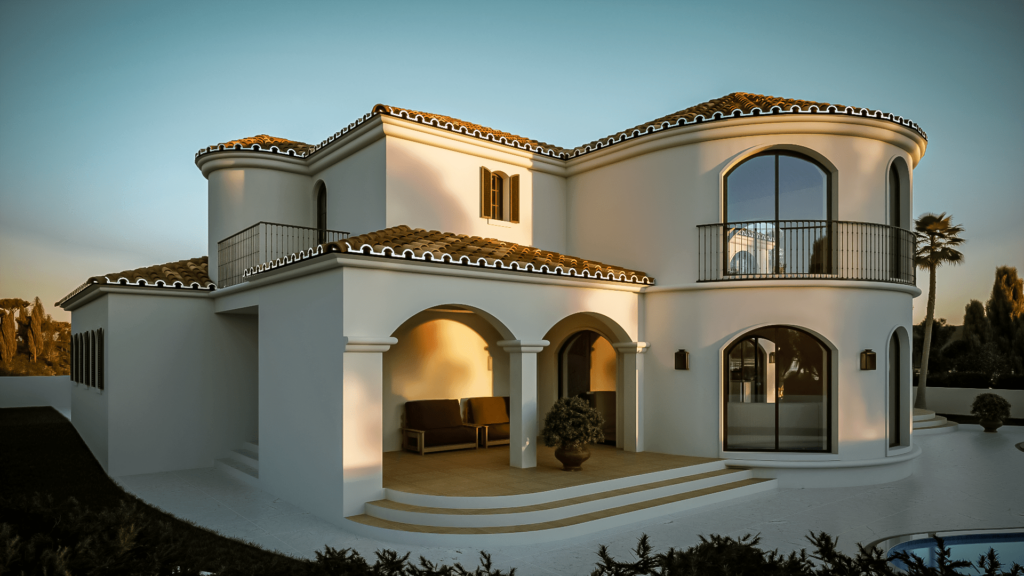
(104,104)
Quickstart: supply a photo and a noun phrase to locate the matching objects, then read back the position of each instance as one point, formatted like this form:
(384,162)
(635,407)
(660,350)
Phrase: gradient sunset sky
(104,104)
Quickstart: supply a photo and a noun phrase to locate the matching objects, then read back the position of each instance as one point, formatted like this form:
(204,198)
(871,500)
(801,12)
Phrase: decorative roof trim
(141,283)
(560,153)
(408,254)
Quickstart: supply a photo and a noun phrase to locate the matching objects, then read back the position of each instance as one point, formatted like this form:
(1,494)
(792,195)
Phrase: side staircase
(242,464)
(927,422)
(558,513)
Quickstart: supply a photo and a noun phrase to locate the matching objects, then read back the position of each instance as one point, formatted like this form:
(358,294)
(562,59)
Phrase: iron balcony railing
(788,249)
(265,242)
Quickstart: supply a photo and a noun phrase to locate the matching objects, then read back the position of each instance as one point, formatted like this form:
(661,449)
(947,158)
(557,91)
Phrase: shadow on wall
(419,196)
(440,354)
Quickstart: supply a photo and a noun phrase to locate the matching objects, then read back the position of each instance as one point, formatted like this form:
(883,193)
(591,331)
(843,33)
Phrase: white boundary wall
(959,400)
(29,391)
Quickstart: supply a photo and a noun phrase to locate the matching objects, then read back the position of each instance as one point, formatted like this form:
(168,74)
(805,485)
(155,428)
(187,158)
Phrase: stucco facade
(313,354)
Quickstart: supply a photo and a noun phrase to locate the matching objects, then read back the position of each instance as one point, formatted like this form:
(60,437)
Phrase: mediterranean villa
(730,284)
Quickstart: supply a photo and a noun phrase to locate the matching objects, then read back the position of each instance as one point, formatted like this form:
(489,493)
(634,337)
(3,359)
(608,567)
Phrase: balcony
(806,249)
(265,242)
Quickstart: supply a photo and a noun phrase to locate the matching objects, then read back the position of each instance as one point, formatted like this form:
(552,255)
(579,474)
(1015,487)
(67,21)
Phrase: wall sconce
(867,360)
(771,357)
(682,360)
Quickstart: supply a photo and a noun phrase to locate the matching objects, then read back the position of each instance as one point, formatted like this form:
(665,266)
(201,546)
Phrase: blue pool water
(1009,546)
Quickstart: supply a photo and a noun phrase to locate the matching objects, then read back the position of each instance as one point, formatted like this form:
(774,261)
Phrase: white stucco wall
(29,391)
(438,188)
(441,355)
(355,190)
(684,407)
(643,211)
(239,197)
(90,406)
(959,400)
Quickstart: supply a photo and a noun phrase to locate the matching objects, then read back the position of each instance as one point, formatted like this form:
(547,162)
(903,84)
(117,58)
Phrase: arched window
(499,196)
(895,387)
(321,214)
(780,202)
(777,392)
(896,241)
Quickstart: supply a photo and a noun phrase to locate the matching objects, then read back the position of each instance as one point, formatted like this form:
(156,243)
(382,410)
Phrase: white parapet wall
(958,400)
(29,391)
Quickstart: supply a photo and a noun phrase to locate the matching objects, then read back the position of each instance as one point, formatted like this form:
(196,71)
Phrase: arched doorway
(895,391)
(777,392)
(587,367)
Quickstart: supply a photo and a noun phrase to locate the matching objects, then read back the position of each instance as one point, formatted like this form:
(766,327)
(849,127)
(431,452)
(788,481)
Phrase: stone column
(362,422)
(522,383)
(630,388)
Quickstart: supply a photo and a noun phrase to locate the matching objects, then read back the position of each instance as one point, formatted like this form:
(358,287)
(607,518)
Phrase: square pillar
(630,384)
(362,422)
(522,381)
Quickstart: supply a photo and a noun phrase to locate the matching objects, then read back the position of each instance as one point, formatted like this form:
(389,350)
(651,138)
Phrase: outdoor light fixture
(682,360)
(867,360)
(771,357)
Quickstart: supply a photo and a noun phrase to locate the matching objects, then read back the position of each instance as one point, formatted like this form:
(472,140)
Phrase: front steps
(242,464)
(927,422)
(555,514)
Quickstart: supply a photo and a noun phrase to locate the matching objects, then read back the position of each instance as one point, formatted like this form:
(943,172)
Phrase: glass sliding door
(777,393)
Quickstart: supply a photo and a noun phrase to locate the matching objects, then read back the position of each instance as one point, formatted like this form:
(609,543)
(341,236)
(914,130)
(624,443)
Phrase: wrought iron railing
(265,242)
(827,249)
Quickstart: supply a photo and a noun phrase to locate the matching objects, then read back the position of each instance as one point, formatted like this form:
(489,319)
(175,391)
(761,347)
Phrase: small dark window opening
(321,214)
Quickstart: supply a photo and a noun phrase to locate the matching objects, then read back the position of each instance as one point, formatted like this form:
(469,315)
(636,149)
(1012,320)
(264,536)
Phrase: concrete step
(238,470)
(944,428)
(923,414)
(251,447)
(930,423)
(566,526)
(246,456)
(552,511)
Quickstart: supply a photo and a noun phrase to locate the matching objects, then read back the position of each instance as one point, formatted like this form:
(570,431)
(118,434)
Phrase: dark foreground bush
(725,556)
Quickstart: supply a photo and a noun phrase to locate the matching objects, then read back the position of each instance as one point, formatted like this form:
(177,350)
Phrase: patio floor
(486,472)
(963,480)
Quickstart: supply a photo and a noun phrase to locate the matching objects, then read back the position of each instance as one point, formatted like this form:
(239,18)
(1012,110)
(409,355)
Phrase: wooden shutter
(88,359)
(513,199)
(74,358)
(485,192)
(99,358)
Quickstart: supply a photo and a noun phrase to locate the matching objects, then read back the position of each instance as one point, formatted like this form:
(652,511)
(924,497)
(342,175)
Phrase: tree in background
(1005,310)
(23,322)
(8,336)
(937,240)
(36,337)
(942,333)
(977,330)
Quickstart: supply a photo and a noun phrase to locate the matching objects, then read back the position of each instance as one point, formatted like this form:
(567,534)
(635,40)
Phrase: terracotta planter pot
(571,457)
(991,425)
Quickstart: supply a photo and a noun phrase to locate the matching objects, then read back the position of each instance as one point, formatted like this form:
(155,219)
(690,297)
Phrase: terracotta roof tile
(737,104)
(192,274)
(404,242)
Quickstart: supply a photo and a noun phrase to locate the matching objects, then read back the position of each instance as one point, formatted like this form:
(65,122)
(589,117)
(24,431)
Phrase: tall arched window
(779,202)
(777,392)
(895,386)
(896,251)
(499,196)
(321,214)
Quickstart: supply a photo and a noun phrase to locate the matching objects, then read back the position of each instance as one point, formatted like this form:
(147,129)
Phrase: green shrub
(572,422)
(991,407)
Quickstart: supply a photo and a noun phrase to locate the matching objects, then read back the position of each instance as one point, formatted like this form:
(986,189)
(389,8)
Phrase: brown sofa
(436,425)
(491,412)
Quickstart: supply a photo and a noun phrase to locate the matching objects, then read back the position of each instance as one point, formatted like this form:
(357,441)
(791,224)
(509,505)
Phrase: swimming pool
(963,545)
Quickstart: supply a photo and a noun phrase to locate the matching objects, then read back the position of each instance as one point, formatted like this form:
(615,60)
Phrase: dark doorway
(586,369)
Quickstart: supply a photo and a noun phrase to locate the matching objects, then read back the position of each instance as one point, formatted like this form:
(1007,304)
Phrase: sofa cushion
(431,414)
(446,436)
(488,410)
(498,432)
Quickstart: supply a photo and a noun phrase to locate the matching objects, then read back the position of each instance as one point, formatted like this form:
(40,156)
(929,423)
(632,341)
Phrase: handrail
(799,249)
(264,242)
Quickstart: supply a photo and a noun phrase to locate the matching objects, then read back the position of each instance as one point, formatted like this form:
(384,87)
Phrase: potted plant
(991,410)
(571,425)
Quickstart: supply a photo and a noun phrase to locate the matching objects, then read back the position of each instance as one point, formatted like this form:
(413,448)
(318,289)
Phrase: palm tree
(937,239)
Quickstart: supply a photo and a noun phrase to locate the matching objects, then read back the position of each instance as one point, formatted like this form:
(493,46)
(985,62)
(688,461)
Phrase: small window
(321,214)
(499,196)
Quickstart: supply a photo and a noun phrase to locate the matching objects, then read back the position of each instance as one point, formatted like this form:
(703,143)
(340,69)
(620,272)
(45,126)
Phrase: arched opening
(777,392)
(587,368)
(778,203)
(321,214)
(897,211)
(895,391)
